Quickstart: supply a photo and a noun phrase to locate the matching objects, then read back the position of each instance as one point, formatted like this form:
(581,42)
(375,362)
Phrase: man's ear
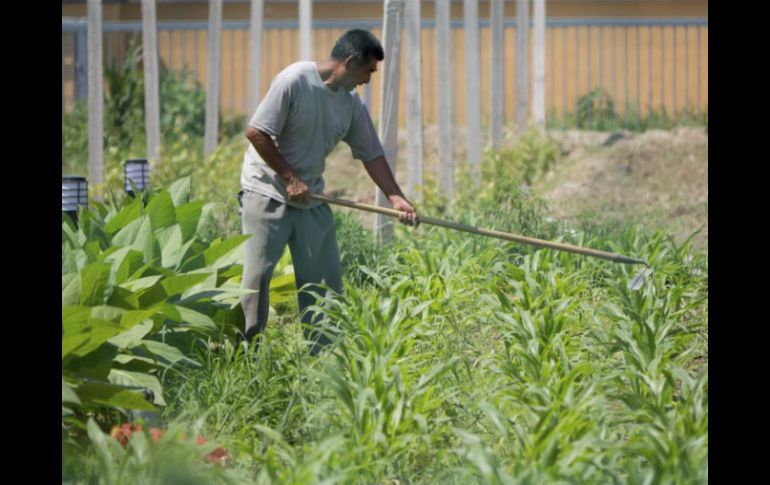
(350,62)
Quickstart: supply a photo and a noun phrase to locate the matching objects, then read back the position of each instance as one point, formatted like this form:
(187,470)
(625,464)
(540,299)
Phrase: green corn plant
(324,462)
(671,444)
(546,391)
(483,460)
(386,390)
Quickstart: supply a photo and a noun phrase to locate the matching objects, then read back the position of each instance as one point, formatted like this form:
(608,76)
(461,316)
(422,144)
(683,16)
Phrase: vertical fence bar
(431,54)
(614,66)
(232,69)
(673,72)
(649,62)
(686,74)
(109,48)
(625,77)
(588,70)
(444,93)
(269,56)
(577,62)
(80,56)
(95,96)
(698,66)
(522,65)
(662,69)
(564,83)
(293,43)
(473,94)
(638,78)
(601,56)
(305,26)
(213,76)
(389,95)
(317,44)
(245,62)
(151,81)
(121,49)
(588,50)
(414,114)
(496,98)
(552,76)
(63,80)
(196,38)
(538,91)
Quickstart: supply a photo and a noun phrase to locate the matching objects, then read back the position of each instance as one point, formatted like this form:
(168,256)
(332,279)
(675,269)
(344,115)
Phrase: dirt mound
(657,178)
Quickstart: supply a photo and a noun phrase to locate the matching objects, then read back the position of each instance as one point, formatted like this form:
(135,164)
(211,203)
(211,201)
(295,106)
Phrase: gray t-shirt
(306,120)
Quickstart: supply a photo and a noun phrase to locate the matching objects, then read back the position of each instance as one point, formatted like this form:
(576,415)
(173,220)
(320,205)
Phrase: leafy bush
(595,110)
(124,100)
(531,156)
(139,283)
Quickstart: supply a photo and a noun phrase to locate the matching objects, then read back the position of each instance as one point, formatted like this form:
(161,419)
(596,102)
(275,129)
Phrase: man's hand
(297,190)
(408,215)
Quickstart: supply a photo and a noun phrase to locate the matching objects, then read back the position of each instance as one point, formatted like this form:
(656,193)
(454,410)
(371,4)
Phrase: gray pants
(311,237)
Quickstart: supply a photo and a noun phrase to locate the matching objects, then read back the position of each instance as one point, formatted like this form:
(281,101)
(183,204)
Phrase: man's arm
(380,172)
(266,148)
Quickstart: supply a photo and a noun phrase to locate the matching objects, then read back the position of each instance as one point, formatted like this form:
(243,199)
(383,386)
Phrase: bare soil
(658,179)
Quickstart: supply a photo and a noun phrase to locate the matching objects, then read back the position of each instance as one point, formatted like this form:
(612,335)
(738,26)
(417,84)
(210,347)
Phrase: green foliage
(454,358)
(124,100)
(460,359)
(138,283)
(532,155)
(175,459)
(182,119)
(595,110)
(358,247)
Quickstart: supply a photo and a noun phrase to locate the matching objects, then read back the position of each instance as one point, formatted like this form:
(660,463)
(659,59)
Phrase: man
(308,109)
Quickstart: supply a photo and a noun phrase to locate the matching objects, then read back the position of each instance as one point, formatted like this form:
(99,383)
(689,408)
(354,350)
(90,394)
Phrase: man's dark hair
(359,43)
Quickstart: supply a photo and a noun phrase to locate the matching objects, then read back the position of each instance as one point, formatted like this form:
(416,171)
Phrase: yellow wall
(564,84)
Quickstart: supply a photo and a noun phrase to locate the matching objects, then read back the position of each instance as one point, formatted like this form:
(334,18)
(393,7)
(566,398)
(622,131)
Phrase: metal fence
(645,67)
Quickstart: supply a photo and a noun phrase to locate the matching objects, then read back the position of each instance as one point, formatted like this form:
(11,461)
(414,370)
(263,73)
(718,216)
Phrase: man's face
(358,74)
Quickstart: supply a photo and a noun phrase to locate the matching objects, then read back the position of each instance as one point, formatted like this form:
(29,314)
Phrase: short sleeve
(272,112)
(362,137)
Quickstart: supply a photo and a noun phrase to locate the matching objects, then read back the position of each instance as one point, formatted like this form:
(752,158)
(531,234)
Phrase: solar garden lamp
(136,172)
(74,194)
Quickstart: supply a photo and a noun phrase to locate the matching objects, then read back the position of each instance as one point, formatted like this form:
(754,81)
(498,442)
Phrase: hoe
(635,283)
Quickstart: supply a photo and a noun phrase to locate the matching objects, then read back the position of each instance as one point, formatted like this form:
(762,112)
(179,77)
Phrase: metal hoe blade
(638,280)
